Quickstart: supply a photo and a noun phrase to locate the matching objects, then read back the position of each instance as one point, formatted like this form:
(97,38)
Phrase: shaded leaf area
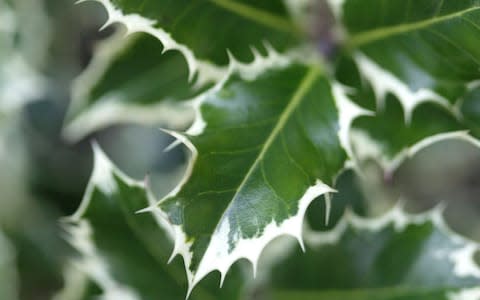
(125,254)
(77,286)
(394,257)
(470,110)
(211,27)
(427,44)
(131,79)
(253,162)
(349,197)
(374,294)
(8,276)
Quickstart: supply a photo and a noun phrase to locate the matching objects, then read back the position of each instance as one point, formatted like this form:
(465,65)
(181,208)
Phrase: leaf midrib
(258,16)
(307,81)
(366,37)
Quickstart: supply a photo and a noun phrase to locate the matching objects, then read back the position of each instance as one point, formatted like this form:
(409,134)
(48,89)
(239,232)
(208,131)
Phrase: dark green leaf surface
(125,253)
(268,148)
(429,45)
(397,256)
(211,27)
(470,110)
(131,79)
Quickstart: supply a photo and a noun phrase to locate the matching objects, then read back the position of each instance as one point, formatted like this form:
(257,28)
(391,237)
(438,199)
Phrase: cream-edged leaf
(186,25)
(395,256)
(125,253)
(420,51)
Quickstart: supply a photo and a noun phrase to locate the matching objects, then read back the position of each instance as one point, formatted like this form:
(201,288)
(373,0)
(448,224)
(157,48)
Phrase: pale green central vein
(381,33)
(297,98)
(258,16)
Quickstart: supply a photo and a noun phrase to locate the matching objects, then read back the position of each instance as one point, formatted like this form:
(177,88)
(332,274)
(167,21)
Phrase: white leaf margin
(462,257)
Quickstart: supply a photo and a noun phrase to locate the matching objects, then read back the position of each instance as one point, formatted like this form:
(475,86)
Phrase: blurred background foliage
(44,46)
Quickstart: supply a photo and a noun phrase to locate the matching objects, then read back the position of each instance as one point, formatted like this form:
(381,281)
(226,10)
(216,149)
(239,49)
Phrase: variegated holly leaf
(388,139)
(415,66)
(262,150)
(428,52)
(124,253)
(188,26)
(396,256)
(117,87)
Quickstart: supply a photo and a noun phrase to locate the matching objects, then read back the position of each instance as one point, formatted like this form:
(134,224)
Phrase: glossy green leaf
(397,256)
(262,150)
(117,87)
(125,253)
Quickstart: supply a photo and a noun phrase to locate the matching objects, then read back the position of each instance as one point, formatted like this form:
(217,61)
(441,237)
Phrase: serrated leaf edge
(79,231)
(384,82)
(366,147)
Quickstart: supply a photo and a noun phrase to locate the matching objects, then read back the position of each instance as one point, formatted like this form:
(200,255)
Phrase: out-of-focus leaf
(396,256)
(19,81)
(125,253)
(131,79)
(418,50)
(415,61)
(8,274)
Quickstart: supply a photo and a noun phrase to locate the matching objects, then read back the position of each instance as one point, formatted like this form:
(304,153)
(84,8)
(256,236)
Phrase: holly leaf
(417,50)
(416,66)
(251,176)
(187,26)
(396,256)
(124,253)
(117,87)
